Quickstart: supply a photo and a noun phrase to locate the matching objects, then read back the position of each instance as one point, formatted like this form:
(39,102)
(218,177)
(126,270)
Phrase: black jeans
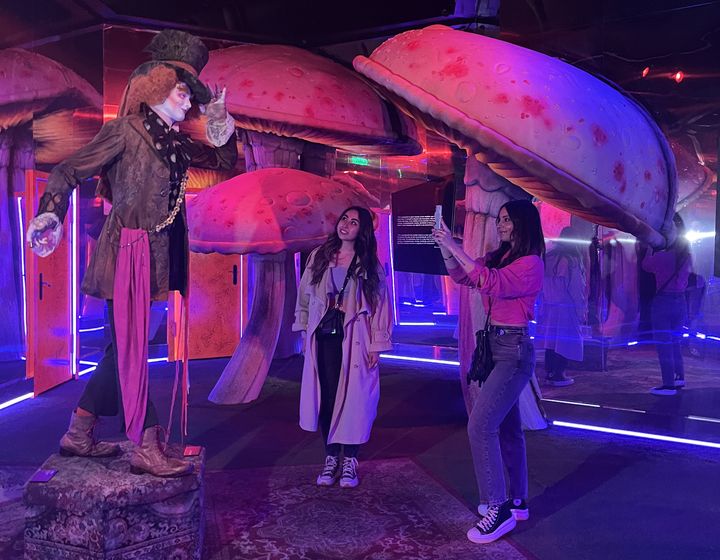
(329,356)
(102,394)
(555,364)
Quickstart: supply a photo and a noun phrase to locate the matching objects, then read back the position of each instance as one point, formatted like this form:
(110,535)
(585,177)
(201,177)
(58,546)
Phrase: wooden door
(51,285)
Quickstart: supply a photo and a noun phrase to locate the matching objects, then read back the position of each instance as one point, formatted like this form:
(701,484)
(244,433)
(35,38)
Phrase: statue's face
(176,104)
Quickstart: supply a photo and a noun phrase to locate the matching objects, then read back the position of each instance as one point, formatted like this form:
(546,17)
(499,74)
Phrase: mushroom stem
(244,375)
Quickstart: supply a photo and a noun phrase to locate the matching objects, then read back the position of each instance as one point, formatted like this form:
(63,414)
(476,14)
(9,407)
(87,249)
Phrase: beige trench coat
(358,390)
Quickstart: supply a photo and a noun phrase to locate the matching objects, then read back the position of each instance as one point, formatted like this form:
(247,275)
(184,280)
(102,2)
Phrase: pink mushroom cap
(552,129)
(291,92)
(31,83)
(271,210)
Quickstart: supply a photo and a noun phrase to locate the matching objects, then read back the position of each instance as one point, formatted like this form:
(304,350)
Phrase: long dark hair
(527,234)
(365,249)
(568,246)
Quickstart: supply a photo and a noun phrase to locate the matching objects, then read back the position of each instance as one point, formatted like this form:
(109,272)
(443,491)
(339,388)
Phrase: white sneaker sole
(349,483)
(325,481)
(478,538)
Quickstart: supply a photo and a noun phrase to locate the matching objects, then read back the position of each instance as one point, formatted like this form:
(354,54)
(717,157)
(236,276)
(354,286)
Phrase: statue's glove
(220,124)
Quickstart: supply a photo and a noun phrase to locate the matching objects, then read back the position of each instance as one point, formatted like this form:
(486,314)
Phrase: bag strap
(347,278)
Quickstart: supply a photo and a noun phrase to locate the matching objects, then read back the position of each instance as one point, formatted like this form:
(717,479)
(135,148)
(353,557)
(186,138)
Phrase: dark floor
(592,496)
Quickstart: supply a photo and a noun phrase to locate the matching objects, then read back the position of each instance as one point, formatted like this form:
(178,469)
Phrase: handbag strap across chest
(338,299)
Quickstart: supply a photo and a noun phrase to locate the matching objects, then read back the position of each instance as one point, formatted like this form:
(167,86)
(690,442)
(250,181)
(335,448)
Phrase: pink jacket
(509,292)
(359,386)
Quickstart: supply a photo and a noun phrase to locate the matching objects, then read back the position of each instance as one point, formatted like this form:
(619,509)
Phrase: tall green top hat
(176,57)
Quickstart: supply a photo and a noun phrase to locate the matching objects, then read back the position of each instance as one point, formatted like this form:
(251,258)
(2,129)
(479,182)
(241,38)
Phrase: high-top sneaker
(497,522)
(349,477)
(518,508)
(330,472)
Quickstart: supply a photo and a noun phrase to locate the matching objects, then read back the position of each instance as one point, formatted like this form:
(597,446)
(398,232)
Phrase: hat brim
(200,92)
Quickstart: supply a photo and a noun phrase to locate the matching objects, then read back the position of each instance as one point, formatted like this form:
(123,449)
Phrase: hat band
(183,65)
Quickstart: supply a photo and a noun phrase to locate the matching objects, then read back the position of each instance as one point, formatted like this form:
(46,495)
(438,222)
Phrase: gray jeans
(497,441)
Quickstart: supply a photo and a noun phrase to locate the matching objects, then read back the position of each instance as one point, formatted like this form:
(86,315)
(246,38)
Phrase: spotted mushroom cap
(31,84)
(291,92)
(271,210)
(550,128)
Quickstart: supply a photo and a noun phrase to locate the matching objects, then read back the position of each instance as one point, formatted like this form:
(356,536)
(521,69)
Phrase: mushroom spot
(451,50)
(297,198)
(648,175)
(246,83)
(533,106)
(279,96)
(309,112)
(295,71)
(618,171)
(623,187)
(501,98)
(599,135)
(412,45)
(266,201)
(501,68)
(456,69)
(465,91)
(571,142)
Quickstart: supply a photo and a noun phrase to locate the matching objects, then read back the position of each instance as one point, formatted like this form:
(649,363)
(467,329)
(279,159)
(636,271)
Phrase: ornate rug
(398,511)
(12,511)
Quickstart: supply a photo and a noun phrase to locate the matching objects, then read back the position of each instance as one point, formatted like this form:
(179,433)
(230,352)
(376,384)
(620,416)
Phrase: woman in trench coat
(340,386)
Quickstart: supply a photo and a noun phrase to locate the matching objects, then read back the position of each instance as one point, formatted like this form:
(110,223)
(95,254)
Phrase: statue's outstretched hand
(220,124)
(44,233)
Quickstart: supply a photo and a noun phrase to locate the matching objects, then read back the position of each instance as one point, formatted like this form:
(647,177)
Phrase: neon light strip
(606,407)
(396,315)
(16,400)
(439,313)
(704,419)
(92,329)
(406,324)
(641,435)
(87,370)
(74,281)
(424,360)
(153,360)
(21,223)
(573,403)
(87,363)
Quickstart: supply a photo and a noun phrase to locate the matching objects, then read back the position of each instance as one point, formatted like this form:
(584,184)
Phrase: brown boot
(149,458)
(79,440)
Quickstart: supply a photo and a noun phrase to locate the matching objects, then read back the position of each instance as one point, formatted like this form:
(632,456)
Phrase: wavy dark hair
(365,249)
(527,234)
(568,246)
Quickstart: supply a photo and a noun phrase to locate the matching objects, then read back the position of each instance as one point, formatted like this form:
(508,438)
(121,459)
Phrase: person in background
(672,268)
(564,307)
(510,280)
(340,386)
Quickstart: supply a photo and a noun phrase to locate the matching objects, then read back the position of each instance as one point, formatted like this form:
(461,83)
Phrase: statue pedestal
(96,509)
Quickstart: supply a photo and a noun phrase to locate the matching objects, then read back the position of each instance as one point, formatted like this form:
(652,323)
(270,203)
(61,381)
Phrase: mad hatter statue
(142,252)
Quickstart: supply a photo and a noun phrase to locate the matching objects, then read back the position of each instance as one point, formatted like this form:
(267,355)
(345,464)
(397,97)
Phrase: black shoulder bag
(333,321)
(482,361)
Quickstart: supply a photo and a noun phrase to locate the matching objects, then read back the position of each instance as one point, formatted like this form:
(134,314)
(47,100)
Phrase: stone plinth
(97,509)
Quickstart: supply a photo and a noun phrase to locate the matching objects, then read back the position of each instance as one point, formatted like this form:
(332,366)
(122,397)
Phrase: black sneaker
(664,390)
(497,522)
(349,477)
(330,471)
(559,380)
(518,508)
(679,381)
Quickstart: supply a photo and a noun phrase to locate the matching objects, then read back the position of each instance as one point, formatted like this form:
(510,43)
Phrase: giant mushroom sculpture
(537,122)
(295,109)
(37,99)
(267,213)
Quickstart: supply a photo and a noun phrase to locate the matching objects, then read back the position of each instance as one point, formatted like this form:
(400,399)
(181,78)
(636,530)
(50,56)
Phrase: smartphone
(438,216)
(192,450)
(43,475)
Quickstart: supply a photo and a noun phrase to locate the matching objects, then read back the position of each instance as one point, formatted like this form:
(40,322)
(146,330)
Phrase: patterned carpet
(398,511)
(278,513)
